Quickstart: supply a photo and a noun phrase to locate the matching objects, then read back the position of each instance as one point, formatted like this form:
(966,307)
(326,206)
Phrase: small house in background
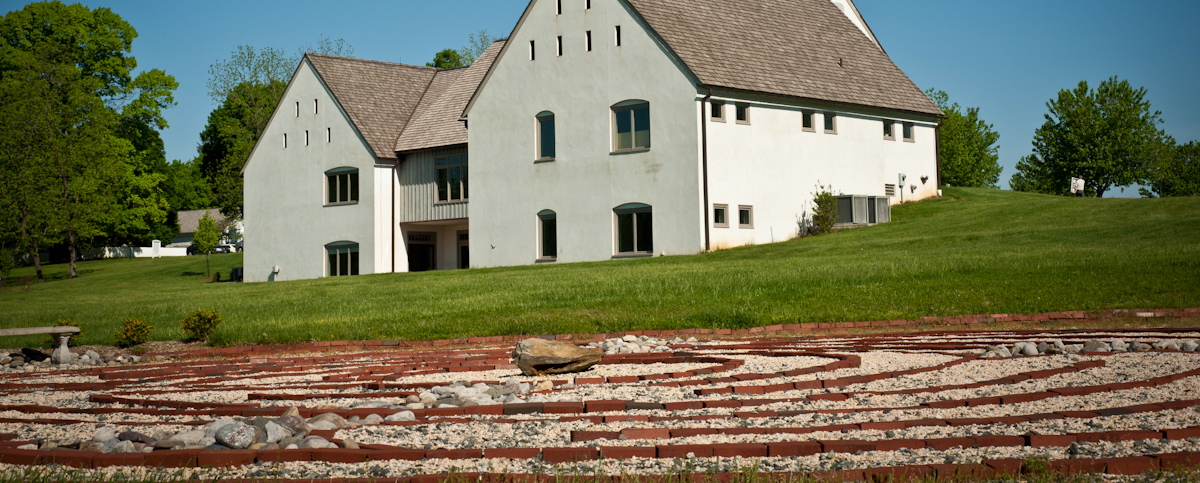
(189,221)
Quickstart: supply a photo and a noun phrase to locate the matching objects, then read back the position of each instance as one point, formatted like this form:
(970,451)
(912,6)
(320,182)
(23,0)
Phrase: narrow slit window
(588,40)
(559,7)
(532,50)
(328,134)
(306,138)
(618,36)
(285,140)
(587,4)
(297,108)
(548,231)
(316,106)
(560,47)
(545,136)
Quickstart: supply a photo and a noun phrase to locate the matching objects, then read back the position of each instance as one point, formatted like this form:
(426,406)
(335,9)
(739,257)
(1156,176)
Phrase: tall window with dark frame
(343,259)
(547,235)
(451,178)
(631,126)
(545,136)
(341,186)
(635,229)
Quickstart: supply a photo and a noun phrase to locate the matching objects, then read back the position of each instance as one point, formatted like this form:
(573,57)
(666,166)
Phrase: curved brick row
(381,372)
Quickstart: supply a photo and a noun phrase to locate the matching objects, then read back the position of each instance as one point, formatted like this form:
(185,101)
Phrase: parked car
(222,249)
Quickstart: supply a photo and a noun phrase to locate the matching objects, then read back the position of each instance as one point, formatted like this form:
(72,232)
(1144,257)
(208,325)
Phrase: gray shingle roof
(379,97)
(436,122)
(796,48)
(189,221)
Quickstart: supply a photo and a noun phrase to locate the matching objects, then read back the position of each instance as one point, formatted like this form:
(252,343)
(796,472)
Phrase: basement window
(745,216)
(720,216)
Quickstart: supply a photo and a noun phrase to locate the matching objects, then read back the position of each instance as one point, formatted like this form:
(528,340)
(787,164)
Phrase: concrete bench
(61,333)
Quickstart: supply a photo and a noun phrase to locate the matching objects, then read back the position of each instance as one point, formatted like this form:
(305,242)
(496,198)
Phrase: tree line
(1108,136)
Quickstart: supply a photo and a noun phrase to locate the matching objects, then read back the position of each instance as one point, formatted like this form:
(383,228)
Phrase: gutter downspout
(704,168)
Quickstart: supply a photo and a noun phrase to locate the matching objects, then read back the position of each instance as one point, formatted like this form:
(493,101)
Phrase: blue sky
(1006,57)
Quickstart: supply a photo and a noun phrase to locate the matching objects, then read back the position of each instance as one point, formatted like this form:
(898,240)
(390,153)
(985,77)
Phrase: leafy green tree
(447,59)
(477,43)
(247,88)
(1175,174)
(1107,136)
(206,238)
(967,148)
(67,80)
(185,188)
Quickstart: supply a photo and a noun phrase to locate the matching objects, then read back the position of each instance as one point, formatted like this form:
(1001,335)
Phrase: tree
(1177,173)
(967,148)
(1108,136)
(477,43)
(205,238)
(68,86)
(447,59)
(247,88)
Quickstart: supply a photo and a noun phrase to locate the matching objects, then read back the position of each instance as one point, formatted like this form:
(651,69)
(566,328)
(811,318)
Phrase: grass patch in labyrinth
(973,251)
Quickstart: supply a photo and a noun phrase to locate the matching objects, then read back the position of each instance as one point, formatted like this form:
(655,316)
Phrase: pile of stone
(288,431)
(28,359)
(1058,347)
(637,345)
(462,394)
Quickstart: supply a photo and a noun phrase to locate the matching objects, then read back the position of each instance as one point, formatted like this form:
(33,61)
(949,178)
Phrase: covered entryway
(434,245)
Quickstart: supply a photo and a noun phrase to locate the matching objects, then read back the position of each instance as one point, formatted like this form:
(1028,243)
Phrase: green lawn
(974,251)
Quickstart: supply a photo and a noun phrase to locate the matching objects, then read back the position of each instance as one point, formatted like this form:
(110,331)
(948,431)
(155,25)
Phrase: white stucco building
(600,129)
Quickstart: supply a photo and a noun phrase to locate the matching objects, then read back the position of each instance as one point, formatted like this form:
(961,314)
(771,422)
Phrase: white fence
(133,252)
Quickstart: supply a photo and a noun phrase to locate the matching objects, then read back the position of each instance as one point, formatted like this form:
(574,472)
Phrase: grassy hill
(973,251)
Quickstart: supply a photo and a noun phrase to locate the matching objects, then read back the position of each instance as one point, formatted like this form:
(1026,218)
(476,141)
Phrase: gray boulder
(1119,345)
(1189,346)
(105,435)
(401,416)
(1095,346)
(237,436)
(536,357)
(117,446)
(181,440)
(338,422)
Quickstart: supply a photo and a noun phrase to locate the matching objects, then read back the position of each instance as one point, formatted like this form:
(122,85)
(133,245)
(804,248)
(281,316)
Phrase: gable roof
(795,48)
(189,220)
(437,120)
(379,97)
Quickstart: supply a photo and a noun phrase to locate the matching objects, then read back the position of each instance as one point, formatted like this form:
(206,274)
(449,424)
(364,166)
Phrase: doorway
(464,250)
(422,252)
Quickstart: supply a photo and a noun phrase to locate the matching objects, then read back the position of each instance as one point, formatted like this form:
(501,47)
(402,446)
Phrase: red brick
(589,380)
(985,441)
(747,450)
(399,454)
(74,459)
(282,455)
(451,454)
(685,432)
(682,450)
(604,406)
(1011,466)
(793,448)
(896,444)
(512,453)
(186,458)
(900,473)
(1178,461)
(1114,436)
(945,404)
(882,425)
(846,446)
(837,396)
(646,433)
(562,408)
(1076,466)
(1192,432)
(331,455)
(118,459)
(943,444)
(568,455)
(1049,440)
(749,390)
(622,379)
(624,452)
(1132,465)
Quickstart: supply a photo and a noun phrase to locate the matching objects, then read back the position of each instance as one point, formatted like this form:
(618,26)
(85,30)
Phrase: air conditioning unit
(863,209)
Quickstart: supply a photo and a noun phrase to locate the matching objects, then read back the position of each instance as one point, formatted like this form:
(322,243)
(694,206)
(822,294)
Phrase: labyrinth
(915,405)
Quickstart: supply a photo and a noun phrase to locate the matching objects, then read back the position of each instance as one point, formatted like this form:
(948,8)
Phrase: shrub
(216,277)
(134,332)
(199,324)
(825,211)
(75,339)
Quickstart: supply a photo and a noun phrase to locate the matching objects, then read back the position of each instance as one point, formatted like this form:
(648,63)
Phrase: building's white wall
(586,182)
(773,165)
(285,189)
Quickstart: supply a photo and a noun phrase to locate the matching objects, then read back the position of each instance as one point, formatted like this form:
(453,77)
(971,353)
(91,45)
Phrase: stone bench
(61,333)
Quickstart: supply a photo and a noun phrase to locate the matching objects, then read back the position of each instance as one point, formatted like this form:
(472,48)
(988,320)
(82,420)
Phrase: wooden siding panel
(418,194)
